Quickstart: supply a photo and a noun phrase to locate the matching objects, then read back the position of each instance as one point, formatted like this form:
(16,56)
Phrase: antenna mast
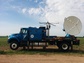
(48,26)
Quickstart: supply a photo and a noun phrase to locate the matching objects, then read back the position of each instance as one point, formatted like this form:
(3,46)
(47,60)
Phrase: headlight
(10,36)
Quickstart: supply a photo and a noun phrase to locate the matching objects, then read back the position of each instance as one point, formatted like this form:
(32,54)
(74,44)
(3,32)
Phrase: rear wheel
(64,46)
(14,45)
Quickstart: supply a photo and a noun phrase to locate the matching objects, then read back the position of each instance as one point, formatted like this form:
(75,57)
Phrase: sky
(15,14)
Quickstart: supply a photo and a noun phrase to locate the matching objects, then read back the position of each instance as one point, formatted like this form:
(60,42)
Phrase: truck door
(24,33)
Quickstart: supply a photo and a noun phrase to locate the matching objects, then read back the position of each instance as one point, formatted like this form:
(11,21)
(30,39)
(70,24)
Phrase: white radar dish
(72,25)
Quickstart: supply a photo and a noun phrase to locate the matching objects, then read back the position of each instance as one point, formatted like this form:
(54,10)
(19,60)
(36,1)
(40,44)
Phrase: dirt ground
(37,58)
(41,59)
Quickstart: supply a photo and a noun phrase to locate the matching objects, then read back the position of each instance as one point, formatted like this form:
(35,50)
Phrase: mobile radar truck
(39,37)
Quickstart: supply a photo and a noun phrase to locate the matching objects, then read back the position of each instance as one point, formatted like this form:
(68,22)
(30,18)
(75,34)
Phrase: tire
(14,45)
(64,47)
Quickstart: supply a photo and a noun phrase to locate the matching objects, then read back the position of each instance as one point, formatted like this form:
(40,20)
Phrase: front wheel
(64,46)
(14,45)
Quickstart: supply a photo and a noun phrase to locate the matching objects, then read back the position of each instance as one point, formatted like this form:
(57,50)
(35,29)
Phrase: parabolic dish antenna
(72,25)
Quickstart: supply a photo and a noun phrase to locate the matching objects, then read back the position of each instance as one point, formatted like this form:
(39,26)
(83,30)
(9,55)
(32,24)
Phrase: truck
(39,37)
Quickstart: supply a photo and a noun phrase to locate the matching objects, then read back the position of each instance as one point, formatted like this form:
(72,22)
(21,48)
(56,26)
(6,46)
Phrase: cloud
(24,10)
(34,11)
(56,9)
(63,8)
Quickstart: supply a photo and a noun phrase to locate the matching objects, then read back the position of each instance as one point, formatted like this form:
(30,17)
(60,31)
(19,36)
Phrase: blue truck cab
(26,35)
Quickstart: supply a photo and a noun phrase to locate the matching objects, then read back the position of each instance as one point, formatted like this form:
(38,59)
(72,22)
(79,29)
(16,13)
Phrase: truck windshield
(23,31)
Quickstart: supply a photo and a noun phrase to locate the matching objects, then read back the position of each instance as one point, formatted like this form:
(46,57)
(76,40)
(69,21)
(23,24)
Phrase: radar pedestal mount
(72,26)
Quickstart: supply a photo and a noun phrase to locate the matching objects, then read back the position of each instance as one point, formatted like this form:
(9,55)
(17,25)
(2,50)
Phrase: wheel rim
(64,46)
(14,45)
